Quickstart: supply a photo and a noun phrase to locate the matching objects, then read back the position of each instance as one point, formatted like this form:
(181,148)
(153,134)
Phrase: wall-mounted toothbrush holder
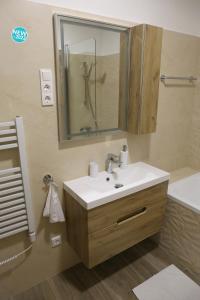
(47,179)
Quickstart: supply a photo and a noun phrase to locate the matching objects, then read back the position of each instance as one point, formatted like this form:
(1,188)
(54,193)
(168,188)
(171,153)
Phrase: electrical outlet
(56,240)
(46,87)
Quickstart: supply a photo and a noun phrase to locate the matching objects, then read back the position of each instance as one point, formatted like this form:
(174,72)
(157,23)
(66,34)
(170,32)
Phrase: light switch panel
(46,84)
(46,75)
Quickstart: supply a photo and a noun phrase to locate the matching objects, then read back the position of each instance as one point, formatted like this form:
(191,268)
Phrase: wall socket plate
(56,240)
(46,84)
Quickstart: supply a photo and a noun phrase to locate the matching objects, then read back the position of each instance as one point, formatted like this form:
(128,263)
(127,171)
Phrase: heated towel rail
(16,214)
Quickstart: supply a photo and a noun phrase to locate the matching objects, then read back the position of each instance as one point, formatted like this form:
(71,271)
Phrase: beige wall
(169,146)
(194,142)
(175,15)
(20,95)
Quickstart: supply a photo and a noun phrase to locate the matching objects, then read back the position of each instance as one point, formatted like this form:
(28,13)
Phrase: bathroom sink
(92,192)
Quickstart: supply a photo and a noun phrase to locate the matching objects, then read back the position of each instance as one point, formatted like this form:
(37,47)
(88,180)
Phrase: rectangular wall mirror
(92,77)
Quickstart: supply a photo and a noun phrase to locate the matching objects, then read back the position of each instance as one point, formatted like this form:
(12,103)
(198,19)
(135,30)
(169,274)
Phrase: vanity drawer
(109,214)
(99,233)
(124,233)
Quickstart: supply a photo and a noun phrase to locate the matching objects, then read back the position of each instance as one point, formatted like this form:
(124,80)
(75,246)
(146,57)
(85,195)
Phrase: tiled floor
(113,279)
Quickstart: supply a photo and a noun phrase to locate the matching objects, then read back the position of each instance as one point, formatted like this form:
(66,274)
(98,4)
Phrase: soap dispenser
(124,157)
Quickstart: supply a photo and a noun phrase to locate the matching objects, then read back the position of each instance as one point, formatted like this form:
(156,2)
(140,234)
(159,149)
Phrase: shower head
(86,69)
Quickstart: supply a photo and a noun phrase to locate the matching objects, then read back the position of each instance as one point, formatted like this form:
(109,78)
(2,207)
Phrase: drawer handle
(137,213)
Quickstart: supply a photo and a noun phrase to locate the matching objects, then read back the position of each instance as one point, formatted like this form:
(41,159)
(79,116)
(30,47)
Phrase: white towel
(53,208)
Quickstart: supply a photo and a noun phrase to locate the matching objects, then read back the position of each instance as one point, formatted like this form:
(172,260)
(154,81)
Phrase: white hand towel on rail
(53,208)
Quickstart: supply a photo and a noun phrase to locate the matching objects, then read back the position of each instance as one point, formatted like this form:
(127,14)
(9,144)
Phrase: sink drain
(118,185)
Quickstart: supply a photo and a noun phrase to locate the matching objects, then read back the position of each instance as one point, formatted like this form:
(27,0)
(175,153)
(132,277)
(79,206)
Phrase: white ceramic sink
(92,192)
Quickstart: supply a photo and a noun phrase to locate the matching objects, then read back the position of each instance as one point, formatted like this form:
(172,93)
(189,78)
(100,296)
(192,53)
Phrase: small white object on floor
(168,284)
(53,208)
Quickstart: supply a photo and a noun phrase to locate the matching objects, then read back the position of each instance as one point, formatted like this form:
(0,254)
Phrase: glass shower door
(80,61)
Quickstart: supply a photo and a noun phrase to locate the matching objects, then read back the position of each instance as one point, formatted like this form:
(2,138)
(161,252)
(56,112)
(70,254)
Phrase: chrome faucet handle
(113,157)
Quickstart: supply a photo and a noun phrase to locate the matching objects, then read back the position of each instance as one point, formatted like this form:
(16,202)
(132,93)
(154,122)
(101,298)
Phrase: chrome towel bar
(189,78)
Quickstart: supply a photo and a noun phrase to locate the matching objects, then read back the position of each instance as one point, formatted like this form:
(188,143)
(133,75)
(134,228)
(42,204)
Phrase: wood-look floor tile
(116,275)
(81,283)
(41,291)
(111,280)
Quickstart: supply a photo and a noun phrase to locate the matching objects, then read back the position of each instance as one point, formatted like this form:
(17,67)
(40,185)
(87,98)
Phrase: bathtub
(187,192)
(180,232)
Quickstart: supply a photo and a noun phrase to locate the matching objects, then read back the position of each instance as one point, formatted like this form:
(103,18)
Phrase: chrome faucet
(111,159)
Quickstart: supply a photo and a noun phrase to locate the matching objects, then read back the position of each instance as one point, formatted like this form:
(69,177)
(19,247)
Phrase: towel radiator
(16,214)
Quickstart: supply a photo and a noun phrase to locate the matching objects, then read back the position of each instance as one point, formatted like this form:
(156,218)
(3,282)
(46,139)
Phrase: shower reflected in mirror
(92,95)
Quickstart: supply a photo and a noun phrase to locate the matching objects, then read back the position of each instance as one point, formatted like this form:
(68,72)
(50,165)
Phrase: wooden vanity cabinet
(100,233)
(145,59)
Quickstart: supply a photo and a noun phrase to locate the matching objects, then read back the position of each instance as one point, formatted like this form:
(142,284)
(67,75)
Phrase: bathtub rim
(185,204)
(184,200)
